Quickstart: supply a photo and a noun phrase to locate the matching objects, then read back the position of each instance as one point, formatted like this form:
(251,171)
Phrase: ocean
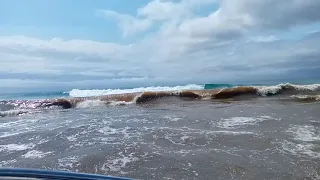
(211,131)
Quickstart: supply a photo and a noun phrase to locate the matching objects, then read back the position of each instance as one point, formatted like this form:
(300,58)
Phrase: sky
(90,44)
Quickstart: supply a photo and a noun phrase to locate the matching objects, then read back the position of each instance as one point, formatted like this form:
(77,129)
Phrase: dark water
(263,138)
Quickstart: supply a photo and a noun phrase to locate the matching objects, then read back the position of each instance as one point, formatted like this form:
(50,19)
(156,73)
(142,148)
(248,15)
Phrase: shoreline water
(170,138)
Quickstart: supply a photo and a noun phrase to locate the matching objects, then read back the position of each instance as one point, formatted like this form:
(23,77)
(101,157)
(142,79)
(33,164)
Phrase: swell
(137,98)
(144,97)
(224,93)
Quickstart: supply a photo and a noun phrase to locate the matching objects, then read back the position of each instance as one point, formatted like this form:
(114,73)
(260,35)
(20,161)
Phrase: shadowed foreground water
(256,139)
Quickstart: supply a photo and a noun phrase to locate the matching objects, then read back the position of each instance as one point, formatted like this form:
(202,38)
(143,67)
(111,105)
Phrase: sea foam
(97,92)
(275,89)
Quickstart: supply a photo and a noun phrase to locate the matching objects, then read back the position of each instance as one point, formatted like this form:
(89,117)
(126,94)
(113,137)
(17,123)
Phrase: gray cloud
(273,14)
(228,45)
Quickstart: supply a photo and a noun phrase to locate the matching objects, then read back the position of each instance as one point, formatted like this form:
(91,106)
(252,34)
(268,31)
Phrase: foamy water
(306,143)
(170,138)
(16,147)
(240,122)
(35,154)
(100,92)
(264,90)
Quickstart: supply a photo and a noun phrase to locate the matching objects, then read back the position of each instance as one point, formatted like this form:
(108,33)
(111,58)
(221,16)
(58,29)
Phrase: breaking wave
(225,88)
(141,95)
(97,92)
(92,98)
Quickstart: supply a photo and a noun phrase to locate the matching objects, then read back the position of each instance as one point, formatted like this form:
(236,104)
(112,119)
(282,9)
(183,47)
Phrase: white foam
(69,162)
(298,149)
(184,138)
(99,103)
(115,165)
(116,103)
(33,154)
(72,138)
(265,90)
(91,103)
(234,132)
(16,147)
(236,122)
(12,112)
(199,131)
(307,136)
(108,130)
(308,87)
(172,118)
(304,133)
(306,97)
(8,163)
(97,92)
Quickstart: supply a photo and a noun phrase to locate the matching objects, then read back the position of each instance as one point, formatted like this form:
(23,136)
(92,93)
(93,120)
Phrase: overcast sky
(120,43)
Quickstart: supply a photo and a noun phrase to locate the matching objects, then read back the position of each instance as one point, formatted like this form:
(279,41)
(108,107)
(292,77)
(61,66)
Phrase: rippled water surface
(256,139)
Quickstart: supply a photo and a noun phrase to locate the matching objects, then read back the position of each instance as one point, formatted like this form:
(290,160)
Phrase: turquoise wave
(217,86)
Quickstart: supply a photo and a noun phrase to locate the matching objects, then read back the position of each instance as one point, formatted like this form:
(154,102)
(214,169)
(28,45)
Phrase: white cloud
(156,11)
(237,18)
(229,44)
(166,10)
(262,39)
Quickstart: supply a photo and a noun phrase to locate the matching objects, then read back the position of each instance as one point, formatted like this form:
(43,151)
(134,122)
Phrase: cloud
(262,39)
(232,19)
(239,40)
(165,10)
(156,11)
(271,14)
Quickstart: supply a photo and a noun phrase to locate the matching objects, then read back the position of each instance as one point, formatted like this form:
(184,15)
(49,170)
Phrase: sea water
(273,135)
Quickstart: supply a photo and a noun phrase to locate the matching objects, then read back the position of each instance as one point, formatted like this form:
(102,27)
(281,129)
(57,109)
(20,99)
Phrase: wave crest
(271,90)
(225,93)
(97,92)
(141,95)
